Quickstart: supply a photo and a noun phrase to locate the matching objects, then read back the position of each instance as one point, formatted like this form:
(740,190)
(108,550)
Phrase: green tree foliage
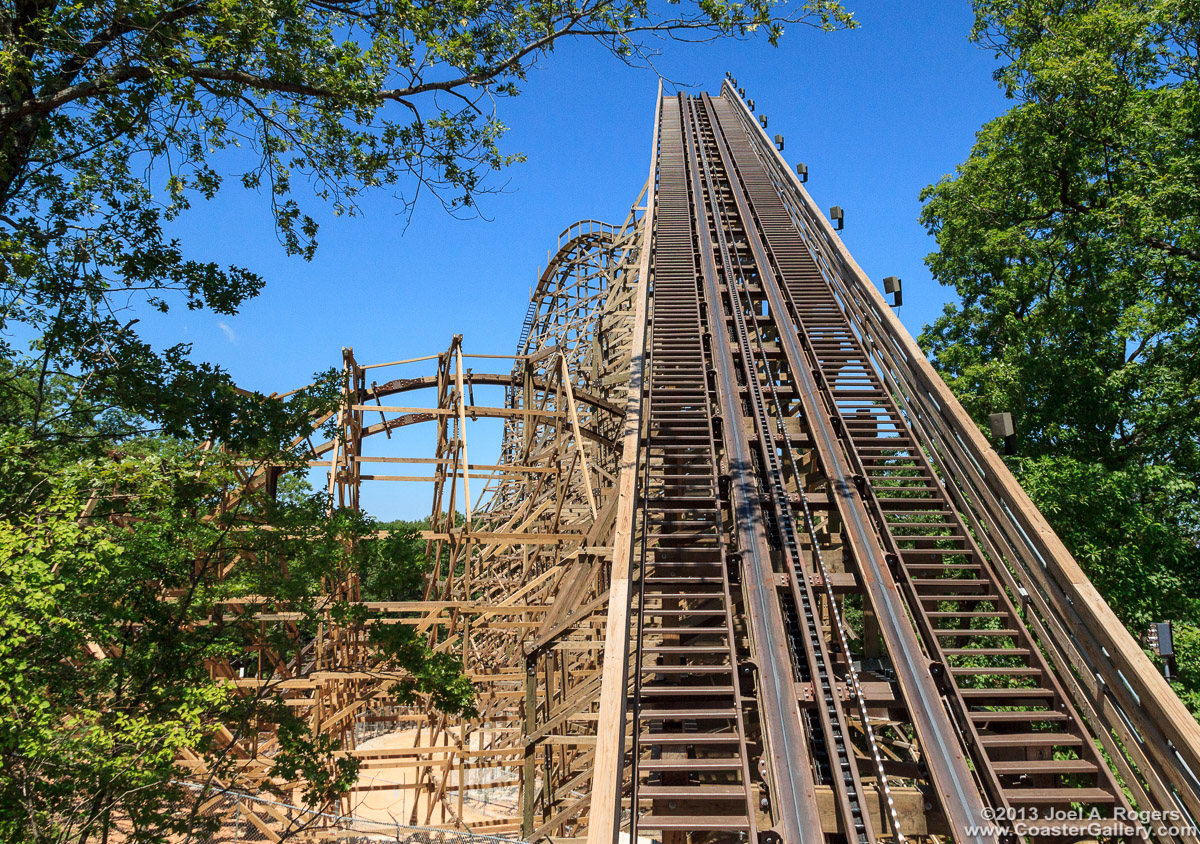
(115,116)
(395,568)
(118,559)
(396,565)
(1187,662)
(113,609)
(1072,236)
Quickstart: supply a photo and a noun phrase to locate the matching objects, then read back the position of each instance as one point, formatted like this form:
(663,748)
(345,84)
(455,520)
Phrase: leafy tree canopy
(1072,236)
(125,580)
(134,565)
(116,115)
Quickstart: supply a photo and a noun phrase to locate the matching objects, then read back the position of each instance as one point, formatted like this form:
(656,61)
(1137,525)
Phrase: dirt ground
(395,805)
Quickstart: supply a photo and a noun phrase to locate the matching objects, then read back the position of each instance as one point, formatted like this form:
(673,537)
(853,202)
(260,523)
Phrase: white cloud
(229,332)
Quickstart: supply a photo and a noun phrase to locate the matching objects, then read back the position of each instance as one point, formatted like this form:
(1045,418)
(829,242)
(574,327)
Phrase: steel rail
(1122,730)
(960,796)
(801,588)
(940,564)
(1026,556)
(687,707)
(815,653)
(789,762)
(994,726)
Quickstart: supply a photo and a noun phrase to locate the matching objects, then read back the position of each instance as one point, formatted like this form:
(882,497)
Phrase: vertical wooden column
(528,772)
(610,727)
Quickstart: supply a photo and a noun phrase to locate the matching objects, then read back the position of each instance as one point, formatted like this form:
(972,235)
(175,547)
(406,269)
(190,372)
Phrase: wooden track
(745,569)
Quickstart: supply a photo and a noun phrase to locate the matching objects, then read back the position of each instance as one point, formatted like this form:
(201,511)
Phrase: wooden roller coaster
(744,569)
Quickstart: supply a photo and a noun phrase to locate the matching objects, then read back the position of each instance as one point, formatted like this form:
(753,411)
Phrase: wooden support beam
(605,819)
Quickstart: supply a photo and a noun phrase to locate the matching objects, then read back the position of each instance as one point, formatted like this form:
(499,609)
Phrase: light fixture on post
(838,217)
(1161,639)
(802,171)
(891,284)
(1002,427)
(762,119)
(779,142)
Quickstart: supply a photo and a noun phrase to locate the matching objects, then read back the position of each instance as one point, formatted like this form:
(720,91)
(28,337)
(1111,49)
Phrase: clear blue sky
(877,113)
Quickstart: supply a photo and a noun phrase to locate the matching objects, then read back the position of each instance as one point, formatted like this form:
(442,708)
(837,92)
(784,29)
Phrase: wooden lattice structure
(521,585)
(744,569)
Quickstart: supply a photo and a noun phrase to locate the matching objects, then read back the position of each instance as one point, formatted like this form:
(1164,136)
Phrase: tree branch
(1172,249)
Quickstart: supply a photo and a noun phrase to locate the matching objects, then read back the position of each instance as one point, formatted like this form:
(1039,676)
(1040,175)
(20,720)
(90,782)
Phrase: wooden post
(462,433)
(587,477)
(610,727)
(527,774)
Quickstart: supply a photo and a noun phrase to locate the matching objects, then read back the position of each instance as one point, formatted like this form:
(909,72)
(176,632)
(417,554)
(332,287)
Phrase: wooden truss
(519,578)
